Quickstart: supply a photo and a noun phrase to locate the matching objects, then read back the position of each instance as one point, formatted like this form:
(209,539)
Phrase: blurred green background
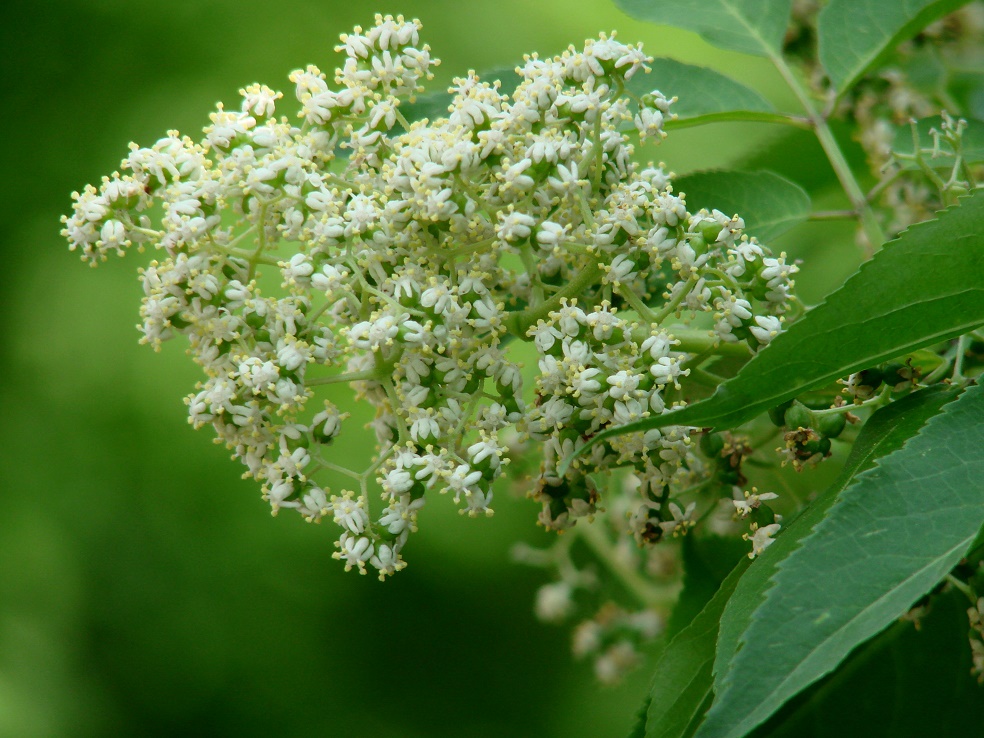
(144,588)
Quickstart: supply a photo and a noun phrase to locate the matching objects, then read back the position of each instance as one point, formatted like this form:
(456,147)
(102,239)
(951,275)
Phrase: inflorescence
(410,256)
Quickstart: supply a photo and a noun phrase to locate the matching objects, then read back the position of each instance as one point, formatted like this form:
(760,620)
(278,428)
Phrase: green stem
(877,401)
(671,307)
(883,184)
(312,317)
(841,168)
(401,120)
(401,425)
(637,304)
(520,321)
(257,256)
(833,214)
(645,592)
(529,264)
(339,182)
(693,341)
(962,587)
(751,116)
(251,256)
(963,344)
(340,470)
(598,153)
(367,375)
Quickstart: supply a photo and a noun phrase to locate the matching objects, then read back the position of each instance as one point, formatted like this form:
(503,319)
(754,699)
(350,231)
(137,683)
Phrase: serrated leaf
(639,723)
(972,143)
(924,287)
(769,204)
(682,682)
(885,432)
(891,685)
(704,95)
(751,26)
(891,536)
(707,561)
(854,36)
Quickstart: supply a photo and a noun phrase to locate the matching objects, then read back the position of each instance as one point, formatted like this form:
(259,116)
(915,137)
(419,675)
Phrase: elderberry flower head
(407,251)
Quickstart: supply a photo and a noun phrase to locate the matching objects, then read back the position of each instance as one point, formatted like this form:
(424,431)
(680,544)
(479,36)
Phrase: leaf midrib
(752,31)
(754,715)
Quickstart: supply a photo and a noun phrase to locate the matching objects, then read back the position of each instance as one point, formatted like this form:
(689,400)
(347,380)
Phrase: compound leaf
(854,36)
(707,561)
(885,432)
(890,537)
(898,674)
(750,26)
(682,683)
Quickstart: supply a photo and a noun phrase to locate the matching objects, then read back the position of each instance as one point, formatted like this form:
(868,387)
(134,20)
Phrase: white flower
(545,335)
(602,324)
(649,123)
(354,550)
(628,411)
(514,226)
(297,270)
(623,384)
(746,502)
(668,370)
(554,602)
(343,247)
(260,100)
(585,383)
(761,538)
(622,269)
(314,504)
(767,327)
(349,512)
(550,234)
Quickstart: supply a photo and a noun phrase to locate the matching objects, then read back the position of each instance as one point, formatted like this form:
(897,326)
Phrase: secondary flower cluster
(406,254)
(915,180)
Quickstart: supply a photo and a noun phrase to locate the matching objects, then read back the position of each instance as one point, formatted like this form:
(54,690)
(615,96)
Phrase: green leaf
(972,144)
(682,682)
(885,432)
(769,204)
(966,88)
(639,724)
(798,156)
(751,26)
(893,534)
(891,685)
(855,36)
(924,287)
(707,561)
(704,95)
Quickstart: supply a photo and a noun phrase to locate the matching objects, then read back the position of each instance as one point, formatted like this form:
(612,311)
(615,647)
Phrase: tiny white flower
(761,538)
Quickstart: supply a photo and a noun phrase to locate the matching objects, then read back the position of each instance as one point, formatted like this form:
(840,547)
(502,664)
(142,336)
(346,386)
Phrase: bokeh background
(144,588)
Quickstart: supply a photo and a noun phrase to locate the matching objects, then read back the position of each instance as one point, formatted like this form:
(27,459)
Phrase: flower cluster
(408,255)
(917,177)
(975,615)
